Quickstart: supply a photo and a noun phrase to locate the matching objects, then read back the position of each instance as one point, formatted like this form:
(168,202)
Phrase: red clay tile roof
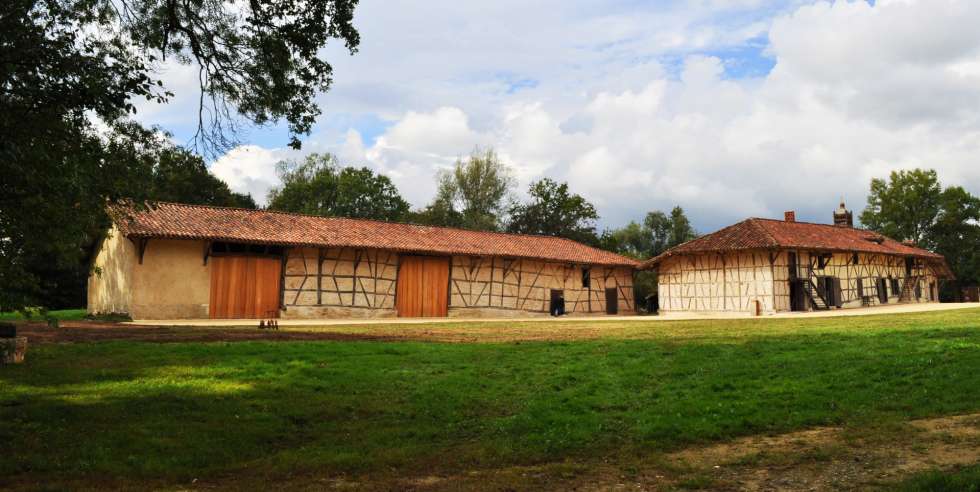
(778,234)
(180,221)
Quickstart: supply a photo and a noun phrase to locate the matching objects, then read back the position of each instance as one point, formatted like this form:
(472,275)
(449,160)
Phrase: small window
(823,260)
(854,258)
(586,278)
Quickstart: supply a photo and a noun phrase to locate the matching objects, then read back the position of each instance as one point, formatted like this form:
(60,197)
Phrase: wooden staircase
(908,289)
(816,298)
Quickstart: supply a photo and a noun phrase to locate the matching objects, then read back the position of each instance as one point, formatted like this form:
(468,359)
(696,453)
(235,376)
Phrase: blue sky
(728,108)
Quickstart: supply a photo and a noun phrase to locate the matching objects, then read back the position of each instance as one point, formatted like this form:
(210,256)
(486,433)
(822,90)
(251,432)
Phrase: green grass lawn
(60,314)
(173,412)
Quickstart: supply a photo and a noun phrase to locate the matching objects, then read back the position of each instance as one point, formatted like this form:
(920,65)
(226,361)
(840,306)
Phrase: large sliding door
(423,287)
(245,287)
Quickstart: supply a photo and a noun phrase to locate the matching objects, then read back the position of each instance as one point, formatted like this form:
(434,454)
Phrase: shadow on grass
(178,411)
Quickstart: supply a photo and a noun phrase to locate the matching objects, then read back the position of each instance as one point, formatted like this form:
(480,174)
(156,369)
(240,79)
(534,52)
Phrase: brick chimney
(789,216)
(843,217)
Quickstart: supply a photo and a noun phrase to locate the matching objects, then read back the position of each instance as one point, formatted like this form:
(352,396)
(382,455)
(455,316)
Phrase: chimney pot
(790,216)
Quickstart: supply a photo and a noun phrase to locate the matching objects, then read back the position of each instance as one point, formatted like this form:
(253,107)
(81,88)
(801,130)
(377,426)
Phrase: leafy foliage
(658,233)
(320,186)
(905,206)
(472,195)
(66,64)
(554,211)
(913,205)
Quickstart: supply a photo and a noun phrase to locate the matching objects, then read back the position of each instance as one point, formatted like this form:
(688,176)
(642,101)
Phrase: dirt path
(91,331)
(822,459)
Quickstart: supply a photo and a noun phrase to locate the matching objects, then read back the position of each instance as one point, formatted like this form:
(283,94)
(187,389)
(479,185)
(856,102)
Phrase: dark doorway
(557,306)
(909,263)
(612,301)
(792,265)
(796,299)
(882,290)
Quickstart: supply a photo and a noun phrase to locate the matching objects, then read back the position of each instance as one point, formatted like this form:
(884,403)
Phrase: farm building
(763,266)
(171,261)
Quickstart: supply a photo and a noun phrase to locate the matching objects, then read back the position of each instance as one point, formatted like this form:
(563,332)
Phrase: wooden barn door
(423,287)
(244,287)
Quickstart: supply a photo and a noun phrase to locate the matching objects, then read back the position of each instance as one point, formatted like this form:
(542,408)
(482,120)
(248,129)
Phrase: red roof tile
(180,221)
(778,234)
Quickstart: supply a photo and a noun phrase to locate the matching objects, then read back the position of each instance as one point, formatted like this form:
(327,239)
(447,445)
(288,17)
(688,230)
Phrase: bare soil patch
(93,331)
(821,459)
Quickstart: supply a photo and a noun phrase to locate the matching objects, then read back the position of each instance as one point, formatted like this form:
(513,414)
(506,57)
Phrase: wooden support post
(319,277)
(282,279)
(141,247)
(207,252)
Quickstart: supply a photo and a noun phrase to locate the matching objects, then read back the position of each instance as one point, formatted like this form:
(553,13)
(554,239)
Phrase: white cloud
(635,110)
(250,169)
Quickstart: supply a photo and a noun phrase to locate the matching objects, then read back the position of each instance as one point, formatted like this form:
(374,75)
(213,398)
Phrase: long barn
(177,261)
(764,266)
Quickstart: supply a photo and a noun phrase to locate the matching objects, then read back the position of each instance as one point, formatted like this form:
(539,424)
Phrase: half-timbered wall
(869,268)
(730,282)
(733,282)
(499,286)
(339,282)
(346,282)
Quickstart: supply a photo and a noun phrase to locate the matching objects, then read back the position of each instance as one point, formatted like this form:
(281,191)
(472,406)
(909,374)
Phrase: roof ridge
(420,228)
(377,221)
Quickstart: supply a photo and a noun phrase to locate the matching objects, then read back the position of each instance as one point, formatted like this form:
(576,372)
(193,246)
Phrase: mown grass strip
(177,411)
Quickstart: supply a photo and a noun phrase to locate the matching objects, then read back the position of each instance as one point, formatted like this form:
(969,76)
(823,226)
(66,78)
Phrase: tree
(472,195)
(905,206)
(320,186)
(554,211)
(912,205)
(70,72)
(658,233)
(181,176)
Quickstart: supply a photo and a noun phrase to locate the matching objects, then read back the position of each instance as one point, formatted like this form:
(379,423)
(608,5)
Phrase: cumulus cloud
(638,112)
(250,169)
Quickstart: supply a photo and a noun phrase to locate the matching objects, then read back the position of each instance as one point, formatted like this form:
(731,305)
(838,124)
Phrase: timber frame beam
(140,243)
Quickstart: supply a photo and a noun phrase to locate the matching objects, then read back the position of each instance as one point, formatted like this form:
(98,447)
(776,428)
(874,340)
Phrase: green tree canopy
(66,64)
(472,195)
(320,186)
(913,205)
(905,206)
(554,211)
(658,233)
